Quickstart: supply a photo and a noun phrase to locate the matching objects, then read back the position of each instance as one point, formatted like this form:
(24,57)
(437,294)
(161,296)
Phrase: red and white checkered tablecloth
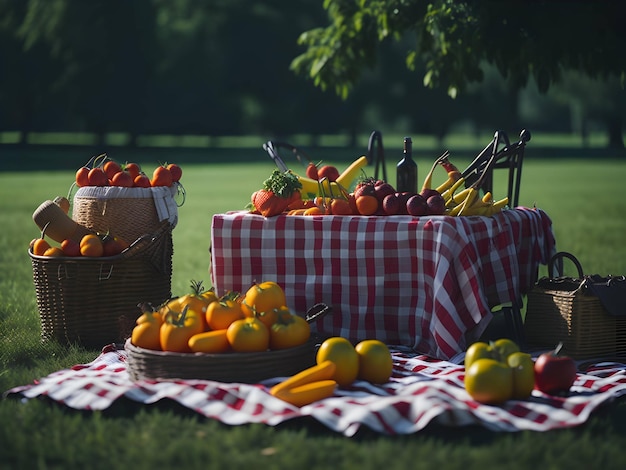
(421,390)
(419,282)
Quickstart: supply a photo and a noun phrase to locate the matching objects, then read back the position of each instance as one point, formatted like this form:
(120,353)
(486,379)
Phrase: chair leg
(514,324)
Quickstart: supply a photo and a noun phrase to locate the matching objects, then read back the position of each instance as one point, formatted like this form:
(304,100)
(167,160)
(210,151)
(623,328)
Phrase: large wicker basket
(587,314)
(94,301)
(146,364)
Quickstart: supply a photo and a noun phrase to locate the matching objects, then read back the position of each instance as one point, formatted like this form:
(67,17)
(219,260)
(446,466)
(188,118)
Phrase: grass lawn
(585,199)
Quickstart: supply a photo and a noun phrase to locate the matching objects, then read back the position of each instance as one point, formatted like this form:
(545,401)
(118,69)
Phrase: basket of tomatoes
(93,300)
(227,339)
(122,199)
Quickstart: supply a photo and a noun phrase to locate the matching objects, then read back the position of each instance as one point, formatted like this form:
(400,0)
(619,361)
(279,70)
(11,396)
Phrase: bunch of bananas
(467,201)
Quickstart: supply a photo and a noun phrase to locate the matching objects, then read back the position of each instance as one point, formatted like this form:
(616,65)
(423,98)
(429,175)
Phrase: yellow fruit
(340,351)
(375,362)
(489,381)
(523,374)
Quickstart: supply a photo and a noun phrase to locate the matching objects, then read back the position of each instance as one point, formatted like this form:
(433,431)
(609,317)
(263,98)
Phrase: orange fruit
(262,298)
(91,245)
(54,251)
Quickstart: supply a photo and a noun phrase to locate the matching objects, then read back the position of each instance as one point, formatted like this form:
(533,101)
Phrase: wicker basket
(578,312)
(126,212)
(145,364)
(93,301)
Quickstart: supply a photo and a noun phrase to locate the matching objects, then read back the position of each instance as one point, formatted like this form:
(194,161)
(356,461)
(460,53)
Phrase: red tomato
(111,168)
(161,177)
(133,168)
(141,181)
(97,177)
(82,177)
(123,179)
(176,171)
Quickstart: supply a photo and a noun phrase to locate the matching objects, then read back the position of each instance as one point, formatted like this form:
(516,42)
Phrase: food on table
(308,386)
(277,193)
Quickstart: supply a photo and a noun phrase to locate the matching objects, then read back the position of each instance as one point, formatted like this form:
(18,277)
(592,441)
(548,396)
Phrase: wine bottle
(406,170)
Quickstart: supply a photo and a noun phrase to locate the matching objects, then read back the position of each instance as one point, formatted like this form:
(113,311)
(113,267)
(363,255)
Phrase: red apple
(554,373)
(436,205)
(382,190)
(391,204)
(426,193)
(311,171)
(416,206)
(328,171)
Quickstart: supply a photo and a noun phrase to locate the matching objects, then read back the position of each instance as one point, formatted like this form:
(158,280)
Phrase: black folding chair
(499,154)
(277,150)
(376,154)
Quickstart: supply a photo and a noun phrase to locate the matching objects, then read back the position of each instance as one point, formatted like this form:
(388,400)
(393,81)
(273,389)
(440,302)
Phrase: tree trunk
(614,128)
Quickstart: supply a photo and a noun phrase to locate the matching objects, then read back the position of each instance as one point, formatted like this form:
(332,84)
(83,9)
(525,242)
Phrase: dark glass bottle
(406,170)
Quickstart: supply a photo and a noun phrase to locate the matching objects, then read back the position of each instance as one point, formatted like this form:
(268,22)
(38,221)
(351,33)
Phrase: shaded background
(120,70)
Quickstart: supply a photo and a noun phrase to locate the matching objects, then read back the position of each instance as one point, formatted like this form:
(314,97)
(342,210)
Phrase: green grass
(584,198)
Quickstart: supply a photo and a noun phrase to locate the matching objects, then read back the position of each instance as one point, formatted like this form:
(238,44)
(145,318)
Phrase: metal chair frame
(499,154)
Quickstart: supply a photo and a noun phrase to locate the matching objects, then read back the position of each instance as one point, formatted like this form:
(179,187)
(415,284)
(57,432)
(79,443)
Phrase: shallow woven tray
(146,364)
(94,301)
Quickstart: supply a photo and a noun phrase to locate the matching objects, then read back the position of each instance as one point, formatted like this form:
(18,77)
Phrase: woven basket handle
(557,260)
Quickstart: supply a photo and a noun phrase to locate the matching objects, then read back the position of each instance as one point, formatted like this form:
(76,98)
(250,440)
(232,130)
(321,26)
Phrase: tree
(454,40)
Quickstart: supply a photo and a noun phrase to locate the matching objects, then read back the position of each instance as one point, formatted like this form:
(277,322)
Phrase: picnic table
(427,283)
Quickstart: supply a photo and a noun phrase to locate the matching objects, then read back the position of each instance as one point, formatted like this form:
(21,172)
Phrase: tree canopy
(455,39)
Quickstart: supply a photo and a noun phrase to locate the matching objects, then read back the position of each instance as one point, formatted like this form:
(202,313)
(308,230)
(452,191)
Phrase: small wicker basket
(94,301)
(146,364)
(126,212)
(574,311)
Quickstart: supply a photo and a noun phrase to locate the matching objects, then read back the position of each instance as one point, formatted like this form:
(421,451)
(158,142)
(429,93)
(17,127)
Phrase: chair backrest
(277,150)
(499,154)
(376,154)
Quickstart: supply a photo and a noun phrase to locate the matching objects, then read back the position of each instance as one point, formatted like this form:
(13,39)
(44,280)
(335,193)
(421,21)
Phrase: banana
(458,198)
(472,195)
(310,187)
(347,177)
(448,193)
(499,205)
(488,197)
(453,177)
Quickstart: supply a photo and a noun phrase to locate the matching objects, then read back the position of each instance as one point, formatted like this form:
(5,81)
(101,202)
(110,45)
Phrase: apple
(328,171)
(311,171)
(554,373)
(382,189)
(391,204)
(436,205)
(427,192)
(416,206)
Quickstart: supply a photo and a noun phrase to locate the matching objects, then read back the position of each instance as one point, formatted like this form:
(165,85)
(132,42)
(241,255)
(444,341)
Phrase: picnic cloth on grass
(422,389)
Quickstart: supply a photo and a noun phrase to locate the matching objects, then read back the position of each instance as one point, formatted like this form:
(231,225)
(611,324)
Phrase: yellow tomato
(489,381)
(248,335)
(288,331)
(340,351)
(375,362)
(220,314)
(263,297)
(504,347)
(177,328)
(523,374)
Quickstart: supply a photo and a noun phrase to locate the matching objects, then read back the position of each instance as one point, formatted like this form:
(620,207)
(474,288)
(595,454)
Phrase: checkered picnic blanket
(421,390)
(418,282)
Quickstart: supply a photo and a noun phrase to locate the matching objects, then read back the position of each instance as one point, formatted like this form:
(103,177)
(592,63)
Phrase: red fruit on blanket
(278,192)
